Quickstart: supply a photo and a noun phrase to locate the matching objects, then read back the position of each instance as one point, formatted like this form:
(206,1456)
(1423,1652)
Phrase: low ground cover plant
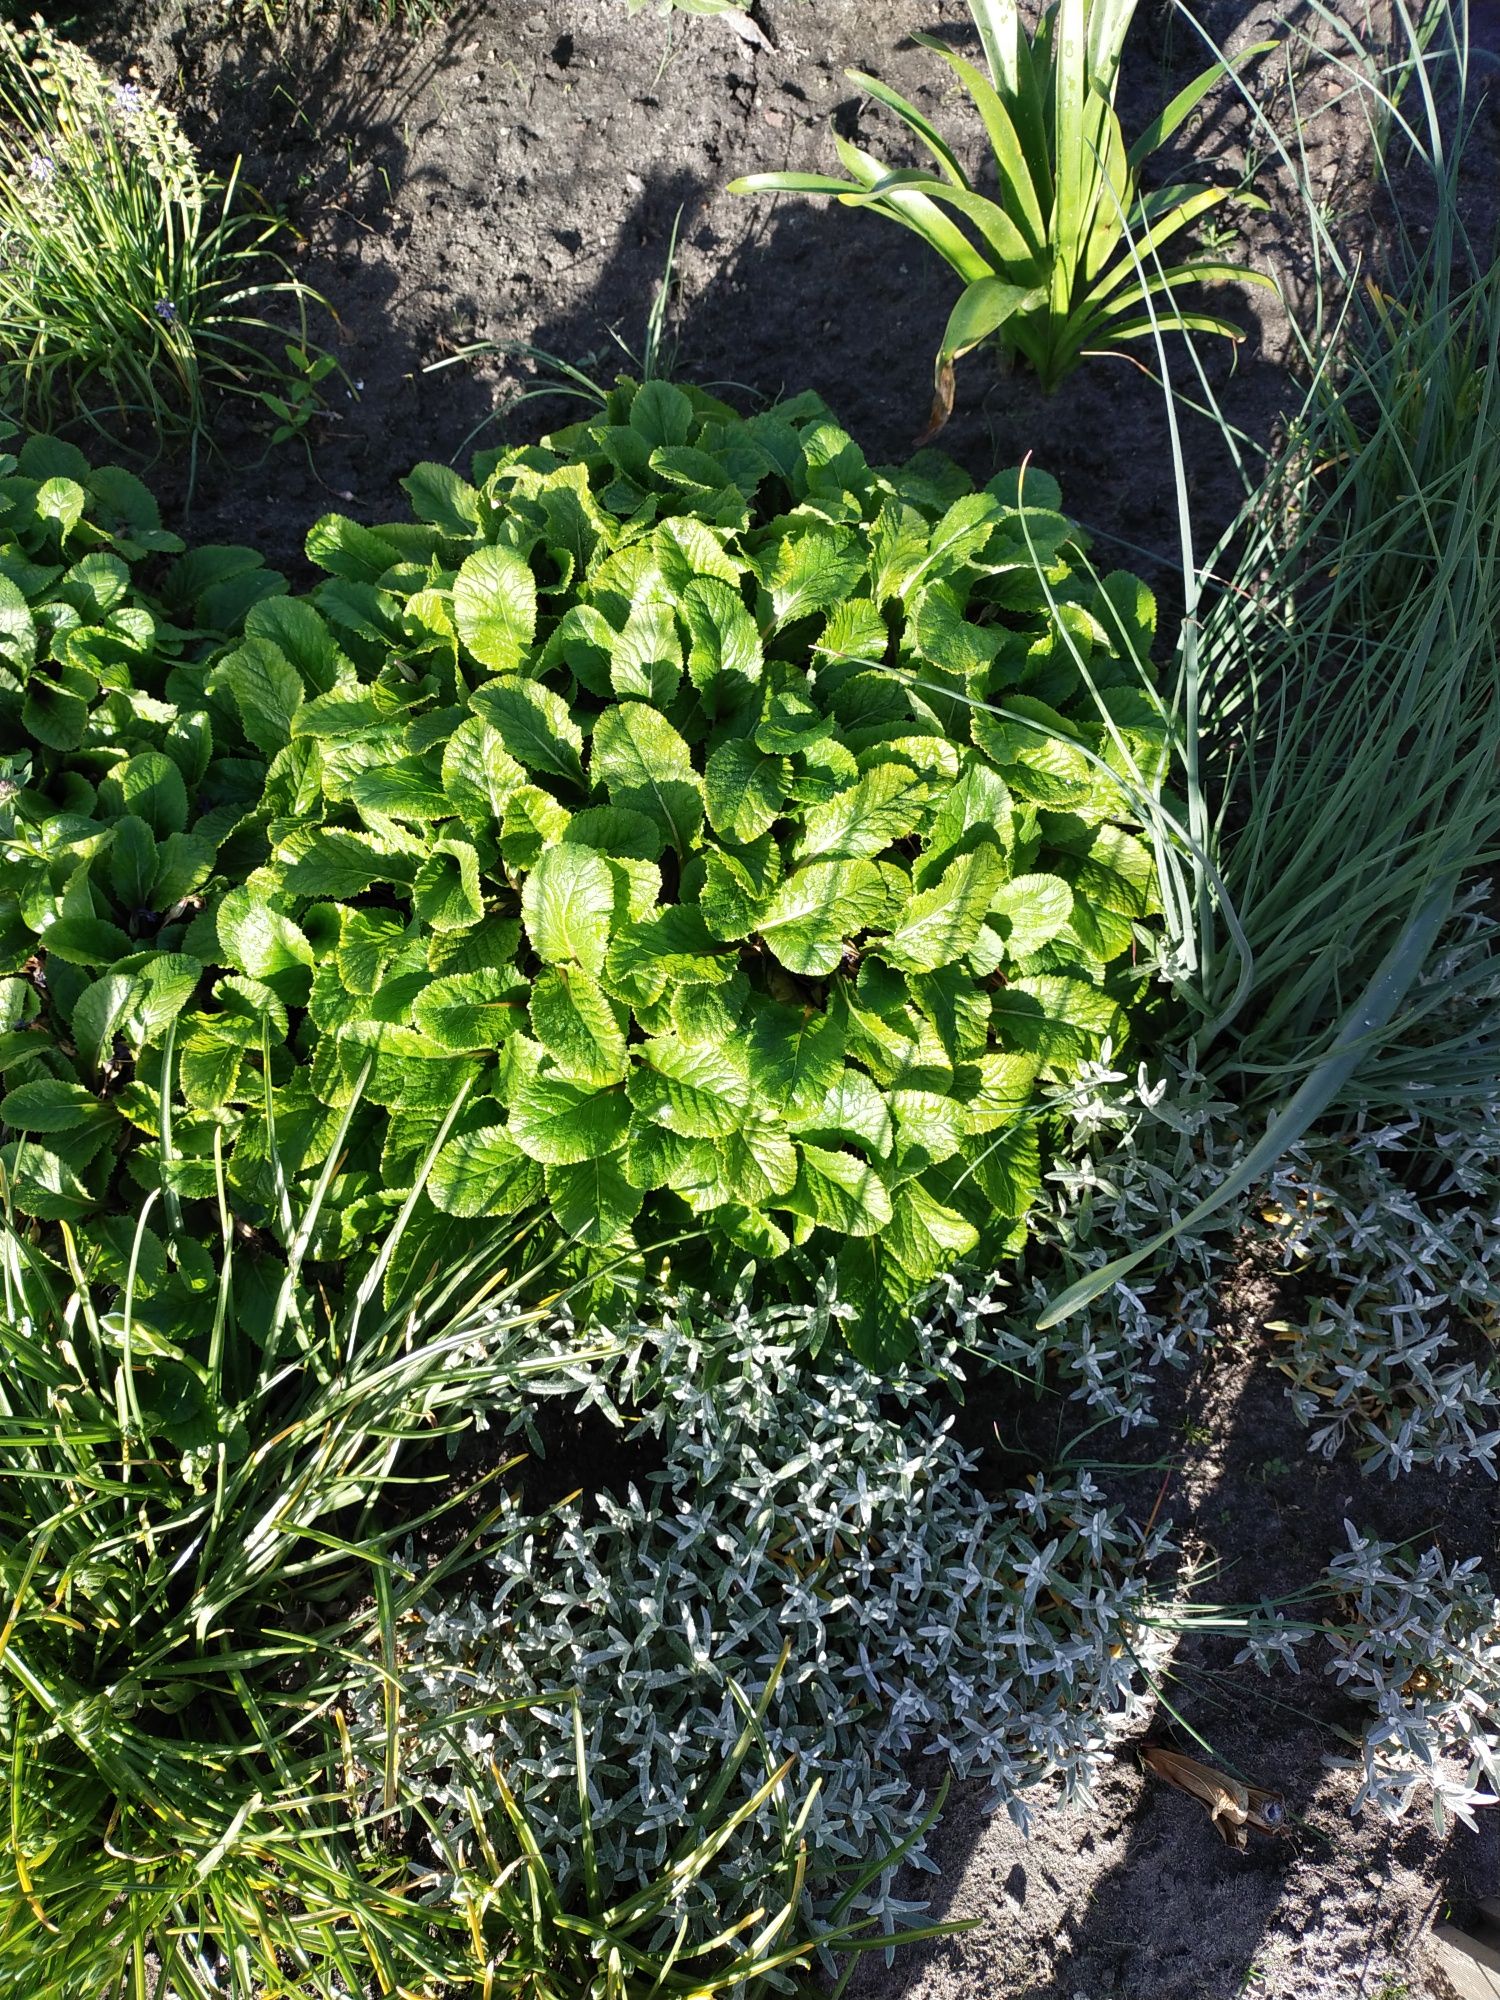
(134,288)
(744,834)
(832,1513)
(1066,256)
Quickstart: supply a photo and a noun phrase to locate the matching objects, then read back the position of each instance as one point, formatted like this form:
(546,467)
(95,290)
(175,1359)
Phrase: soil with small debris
(514,178)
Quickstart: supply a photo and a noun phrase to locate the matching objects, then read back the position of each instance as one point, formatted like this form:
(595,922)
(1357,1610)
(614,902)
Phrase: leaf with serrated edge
(592,1201)
(817,908)
(924,1237)
(796,1055)
(645,765)
(494,608)
(559,1123)
(1033,909)
(694,1089)
(839,1192)
(942,923)
(883,807)
(483,1173)
(471,1010)
(574,1021)
(568,905)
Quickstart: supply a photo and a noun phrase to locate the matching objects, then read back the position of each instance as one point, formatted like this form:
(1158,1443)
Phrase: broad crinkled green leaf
(694,1090)
(560,1122)
(744,789)
(923,1236)
(839,1192)
(884,806)
(796,1055)
(267,691)
(577,1024)
(818,908)
(725,659)
(940,925)
(810,570)
(471,1010)
(645,766)
(483,1173)
(494,608)
(445,890)
(568,906)
(52,1106)
(592,1200)
(265,943)
(533,725)
(1029,911)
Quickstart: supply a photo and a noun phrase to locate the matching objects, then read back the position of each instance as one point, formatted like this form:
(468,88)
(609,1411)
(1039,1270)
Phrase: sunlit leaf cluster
(743,833)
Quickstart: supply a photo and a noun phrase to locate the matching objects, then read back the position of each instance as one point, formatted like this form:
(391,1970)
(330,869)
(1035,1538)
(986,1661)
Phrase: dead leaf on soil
(1232,1807)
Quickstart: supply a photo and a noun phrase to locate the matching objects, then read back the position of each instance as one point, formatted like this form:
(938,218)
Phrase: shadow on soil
(1138,1898)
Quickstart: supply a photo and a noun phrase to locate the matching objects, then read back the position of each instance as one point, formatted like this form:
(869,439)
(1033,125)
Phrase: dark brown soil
(514,178)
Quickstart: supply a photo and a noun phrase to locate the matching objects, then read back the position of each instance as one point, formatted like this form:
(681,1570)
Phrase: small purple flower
(42,168)
(128,98)
(166,312)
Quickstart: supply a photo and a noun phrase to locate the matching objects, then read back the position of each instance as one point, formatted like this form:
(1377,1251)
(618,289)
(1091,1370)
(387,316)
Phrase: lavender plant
(1391,1227)
(1423,1649)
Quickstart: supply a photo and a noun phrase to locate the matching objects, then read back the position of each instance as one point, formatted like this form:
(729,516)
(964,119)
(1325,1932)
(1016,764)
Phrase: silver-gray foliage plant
(1416,1639)
(1393,1225)
(832,1510)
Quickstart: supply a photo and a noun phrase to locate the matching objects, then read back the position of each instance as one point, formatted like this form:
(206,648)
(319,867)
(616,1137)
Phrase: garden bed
(513,179)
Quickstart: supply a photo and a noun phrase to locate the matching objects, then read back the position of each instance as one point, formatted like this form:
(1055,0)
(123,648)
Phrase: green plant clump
(132,285)
(1065,257)
(743,833)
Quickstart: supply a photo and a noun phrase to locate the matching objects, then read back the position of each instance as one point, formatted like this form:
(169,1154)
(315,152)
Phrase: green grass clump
(208,1477)
(133,287)
(1338,705)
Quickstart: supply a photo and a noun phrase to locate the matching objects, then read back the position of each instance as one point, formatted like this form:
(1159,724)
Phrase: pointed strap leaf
(1358,1037)
(908,113)
(1025,200)
(1171,116)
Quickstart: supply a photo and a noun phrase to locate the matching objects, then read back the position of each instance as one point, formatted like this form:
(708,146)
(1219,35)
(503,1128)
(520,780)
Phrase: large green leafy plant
(744,833)
(1065,256)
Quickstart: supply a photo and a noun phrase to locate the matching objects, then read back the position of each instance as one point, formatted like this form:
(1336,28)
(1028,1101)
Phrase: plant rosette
(745,835)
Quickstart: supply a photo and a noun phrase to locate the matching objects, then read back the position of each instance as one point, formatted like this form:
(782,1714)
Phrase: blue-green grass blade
(1357,1039)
